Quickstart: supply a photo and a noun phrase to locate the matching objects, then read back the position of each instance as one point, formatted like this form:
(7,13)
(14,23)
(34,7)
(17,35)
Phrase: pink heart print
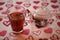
(26,31)
(48,30)
(58,31)
(6,23)
(2,3)
(3,33)
(30,21)
(9,5)
(53,1)
(6,38)
(1,8)
(4,12)
(37,32)
(36,2)
(29,38)
(1,19)
(54,37)
(12,35)
(43,38)
(58,23)
(35,7)
(17,7)
(51,21)
(19,2)
(27,5)
(58,17)
(44,4)
(59,2)
(55,6)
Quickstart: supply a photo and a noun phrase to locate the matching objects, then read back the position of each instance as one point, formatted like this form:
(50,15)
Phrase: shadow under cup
(17,20)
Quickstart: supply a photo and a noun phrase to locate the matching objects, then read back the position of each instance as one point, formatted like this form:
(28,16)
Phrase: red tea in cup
(17,20)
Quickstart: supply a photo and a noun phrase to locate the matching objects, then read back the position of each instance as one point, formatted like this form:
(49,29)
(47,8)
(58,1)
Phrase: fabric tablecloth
(50,32)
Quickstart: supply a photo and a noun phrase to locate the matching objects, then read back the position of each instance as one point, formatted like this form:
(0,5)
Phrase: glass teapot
(41,18)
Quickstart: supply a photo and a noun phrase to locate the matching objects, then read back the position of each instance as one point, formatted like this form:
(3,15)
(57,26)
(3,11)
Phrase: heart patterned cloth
(30,32)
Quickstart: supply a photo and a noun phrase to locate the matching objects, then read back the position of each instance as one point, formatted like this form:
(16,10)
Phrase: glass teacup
(17,20)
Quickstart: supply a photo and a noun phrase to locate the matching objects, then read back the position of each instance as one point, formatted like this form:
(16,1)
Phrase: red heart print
(44,4)
(29,38)
(1,8)
(37,32)
(9,5)
(1,19)
(26,32)
(54,6)
(36,2)
(27,5)
(49,30)
(6,38)
(53,1)
(58,23)
(6,23)
(2,3)
(19,2)
(6,12)
(35,7)
(58,31)
(3,33)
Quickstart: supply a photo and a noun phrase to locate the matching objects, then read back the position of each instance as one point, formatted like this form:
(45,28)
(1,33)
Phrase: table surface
(31,32)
